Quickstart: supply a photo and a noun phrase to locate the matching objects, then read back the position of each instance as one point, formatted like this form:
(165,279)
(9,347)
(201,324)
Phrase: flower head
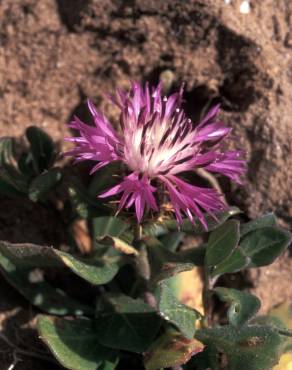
(157,142)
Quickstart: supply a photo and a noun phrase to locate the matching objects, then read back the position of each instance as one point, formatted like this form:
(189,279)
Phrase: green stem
(286,332)
(137,234)
(142,266)
(207,303)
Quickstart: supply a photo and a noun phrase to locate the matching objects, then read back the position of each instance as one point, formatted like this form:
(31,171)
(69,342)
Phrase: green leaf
(243,305)
(29,255)
(8,189)
(164,263)
(42,148)
(237,261)
(172,240)
(171,269)
(84,204)
(161,228)
(259,247)
(264,245)
(6,151)
(43,184)
(207,359)
(113,227)
(171,350)
(266,220)
(97,272)
(126,323)
(222,242)
(195,255)
(170,309)
(25,165)
(75,343)
(248,347)
(12,179)
(212,224)
(31,284)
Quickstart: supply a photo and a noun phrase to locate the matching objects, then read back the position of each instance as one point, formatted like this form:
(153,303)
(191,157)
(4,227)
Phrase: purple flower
(157,142)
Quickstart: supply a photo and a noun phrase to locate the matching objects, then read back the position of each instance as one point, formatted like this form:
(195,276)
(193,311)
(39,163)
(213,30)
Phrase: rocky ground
(53,54)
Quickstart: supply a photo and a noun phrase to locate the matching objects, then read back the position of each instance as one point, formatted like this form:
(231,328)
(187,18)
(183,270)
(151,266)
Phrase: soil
(55,53)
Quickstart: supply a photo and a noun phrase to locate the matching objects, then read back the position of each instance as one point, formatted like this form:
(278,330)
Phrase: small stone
(244,7)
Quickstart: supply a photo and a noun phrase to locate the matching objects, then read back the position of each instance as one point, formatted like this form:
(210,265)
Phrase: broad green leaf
(29,255)
(11,181)
(171,350)
(195,255)
(170,309)
(170,269)
(266,320)
(94,271)
(84,204)
(164,263)
(97,272)
(31,284)
(257,248)
(163,227)
(266,220)
(248,347)
(212,223)
(11,178)
(8,189)
(237,261)
(222,242)
(109,226)
(264,245)
(25,165)
(126,323)
(243,305)
(43,184)
(42,148)
(75,343)
(206,359)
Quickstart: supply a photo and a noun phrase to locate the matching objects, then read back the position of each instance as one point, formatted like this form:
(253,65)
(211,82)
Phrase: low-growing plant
(138,319)
(33,175)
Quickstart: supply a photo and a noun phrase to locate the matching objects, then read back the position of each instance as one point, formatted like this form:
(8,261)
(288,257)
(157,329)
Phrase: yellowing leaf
(81,236)
(171,350)
(284,313)
(285,362)
(119,245)
(189,287)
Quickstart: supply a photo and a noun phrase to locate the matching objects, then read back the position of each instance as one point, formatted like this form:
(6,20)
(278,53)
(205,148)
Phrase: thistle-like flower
(157,142)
